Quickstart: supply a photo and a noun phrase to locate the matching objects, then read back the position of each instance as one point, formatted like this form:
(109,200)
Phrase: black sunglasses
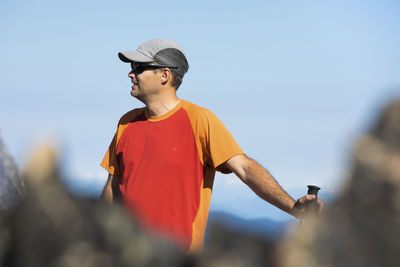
(138,68)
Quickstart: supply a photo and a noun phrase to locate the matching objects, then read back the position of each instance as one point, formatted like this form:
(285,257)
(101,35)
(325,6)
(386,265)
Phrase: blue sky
(296,82)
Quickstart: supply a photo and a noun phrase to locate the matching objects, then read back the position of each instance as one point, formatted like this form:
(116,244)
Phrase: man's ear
(166,75)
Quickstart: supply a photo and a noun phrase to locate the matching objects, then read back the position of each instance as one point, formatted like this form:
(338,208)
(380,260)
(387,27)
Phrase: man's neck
(160,106)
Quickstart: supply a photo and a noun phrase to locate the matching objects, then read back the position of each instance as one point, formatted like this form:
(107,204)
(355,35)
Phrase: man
(163,157)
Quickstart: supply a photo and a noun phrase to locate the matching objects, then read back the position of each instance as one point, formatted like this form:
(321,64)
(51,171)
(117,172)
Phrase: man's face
(145,79)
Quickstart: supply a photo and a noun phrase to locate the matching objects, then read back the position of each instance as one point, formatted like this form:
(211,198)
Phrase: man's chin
(136,95)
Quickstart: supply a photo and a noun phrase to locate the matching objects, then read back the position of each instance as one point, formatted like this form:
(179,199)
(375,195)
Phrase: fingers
(307,198)
(307,205)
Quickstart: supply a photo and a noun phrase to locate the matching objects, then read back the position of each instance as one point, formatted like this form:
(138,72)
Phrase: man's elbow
(240,165)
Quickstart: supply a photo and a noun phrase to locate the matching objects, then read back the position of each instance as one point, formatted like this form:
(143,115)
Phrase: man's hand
(307,205)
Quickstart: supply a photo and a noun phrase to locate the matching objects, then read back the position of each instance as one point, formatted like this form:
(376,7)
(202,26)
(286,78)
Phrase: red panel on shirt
(165,196)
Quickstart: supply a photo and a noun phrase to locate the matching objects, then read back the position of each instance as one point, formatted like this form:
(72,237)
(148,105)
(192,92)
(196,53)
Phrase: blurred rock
(52,228)
(362,227)
(229,247)
(11,186)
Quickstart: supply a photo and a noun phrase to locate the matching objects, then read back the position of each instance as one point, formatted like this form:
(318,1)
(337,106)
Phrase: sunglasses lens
(137,68)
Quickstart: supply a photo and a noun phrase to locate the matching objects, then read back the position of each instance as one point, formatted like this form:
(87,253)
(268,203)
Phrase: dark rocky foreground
(11,186)
(49,227)
(362,227)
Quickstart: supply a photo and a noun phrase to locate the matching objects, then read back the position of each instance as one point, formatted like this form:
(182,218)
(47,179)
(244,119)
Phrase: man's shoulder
(131,115)
(196,110)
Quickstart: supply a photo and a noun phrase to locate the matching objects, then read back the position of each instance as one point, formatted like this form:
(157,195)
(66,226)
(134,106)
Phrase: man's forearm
(261,182)
(266,187)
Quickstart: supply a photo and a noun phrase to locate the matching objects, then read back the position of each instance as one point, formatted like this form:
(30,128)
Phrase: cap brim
(134,56)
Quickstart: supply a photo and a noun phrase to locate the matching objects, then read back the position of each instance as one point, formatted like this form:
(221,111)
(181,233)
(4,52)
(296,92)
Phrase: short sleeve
(220,143)
(109,161)
(214,142)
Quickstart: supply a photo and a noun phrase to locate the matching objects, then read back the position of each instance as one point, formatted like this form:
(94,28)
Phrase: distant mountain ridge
(263,227)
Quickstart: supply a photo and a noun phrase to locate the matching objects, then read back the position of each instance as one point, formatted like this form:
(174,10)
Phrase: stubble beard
(136,94)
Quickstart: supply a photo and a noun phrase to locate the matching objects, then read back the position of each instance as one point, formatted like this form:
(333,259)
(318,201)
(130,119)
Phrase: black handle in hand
(312,205)
(313,190)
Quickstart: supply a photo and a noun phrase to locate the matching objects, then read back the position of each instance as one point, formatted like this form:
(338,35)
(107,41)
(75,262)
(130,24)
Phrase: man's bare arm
(262,183)
(107,194)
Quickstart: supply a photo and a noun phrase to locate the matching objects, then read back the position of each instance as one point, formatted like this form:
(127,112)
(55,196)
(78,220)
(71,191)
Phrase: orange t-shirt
(166,167)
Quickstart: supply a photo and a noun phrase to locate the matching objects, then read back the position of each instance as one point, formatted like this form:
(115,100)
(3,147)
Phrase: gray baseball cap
(163,51)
